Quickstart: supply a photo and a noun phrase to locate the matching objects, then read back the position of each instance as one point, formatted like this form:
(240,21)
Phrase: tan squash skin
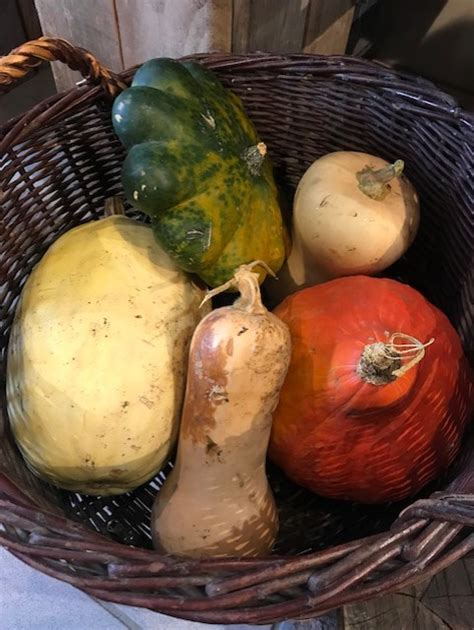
(217,500)
(339,230)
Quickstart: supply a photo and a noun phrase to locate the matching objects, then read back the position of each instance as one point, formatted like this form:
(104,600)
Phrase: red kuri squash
(378,392)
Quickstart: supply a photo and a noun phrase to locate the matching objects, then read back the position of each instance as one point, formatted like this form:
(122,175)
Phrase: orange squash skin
(344,438)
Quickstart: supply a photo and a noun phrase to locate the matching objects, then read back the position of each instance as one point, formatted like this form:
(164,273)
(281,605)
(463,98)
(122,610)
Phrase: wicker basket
(61,161)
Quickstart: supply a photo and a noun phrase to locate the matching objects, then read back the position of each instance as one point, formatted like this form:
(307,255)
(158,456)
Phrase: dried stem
(246,281)
(381,362)
(375,184)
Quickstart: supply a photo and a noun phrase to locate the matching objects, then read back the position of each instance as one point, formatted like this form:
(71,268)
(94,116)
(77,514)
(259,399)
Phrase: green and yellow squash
(196,166)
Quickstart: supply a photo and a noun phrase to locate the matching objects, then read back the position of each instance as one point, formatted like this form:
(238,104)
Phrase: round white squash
(353,213)
(97,358)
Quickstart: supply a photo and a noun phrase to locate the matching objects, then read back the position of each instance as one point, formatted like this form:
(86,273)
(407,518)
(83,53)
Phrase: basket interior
(61,175)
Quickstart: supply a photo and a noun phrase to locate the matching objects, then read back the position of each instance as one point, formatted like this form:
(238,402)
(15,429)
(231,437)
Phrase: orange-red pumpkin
(365,414)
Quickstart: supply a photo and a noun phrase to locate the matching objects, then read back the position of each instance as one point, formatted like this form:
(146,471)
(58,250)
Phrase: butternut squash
(353,213)
(217,500)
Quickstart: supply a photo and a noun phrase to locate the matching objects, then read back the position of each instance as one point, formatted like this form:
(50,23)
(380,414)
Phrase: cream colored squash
(353,213)
(217,501)
(97,358)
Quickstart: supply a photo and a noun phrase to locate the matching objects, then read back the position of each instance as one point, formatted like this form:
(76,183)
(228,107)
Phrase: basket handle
(23,59)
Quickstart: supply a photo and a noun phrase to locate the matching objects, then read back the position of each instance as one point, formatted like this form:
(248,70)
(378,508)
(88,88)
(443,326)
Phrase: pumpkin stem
(375,184)
(246,281)
(253,156)
(381,362)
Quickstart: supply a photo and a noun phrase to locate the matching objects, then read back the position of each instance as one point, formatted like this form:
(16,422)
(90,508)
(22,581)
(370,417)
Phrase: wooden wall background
(122,33)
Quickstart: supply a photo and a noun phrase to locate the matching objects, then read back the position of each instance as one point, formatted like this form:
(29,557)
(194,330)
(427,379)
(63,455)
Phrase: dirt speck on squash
(324,202)
(146,401)
(239,479)
(213,450)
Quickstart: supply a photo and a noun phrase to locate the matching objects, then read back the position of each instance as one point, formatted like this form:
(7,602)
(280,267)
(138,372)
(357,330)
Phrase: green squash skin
(187,168)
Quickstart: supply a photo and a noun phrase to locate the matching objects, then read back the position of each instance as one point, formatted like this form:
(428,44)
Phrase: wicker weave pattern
(59,163)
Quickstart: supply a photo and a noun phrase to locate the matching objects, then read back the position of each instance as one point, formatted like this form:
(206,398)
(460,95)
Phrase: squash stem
(381,362)
(246,281)
(375,183)
(253,156)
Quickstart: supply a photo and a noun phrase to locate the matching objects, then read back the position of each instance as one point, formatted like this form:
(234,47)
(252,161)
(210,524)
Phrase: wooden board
(240,25)
(123,33)
(277,25)
(151,28)
(320,26)
(91,24)
(328,26)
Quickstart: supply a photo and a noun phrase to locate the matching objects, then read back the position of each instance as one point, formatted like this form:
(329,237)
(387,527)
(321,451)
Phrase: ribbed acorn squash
(196,166)
(97,358)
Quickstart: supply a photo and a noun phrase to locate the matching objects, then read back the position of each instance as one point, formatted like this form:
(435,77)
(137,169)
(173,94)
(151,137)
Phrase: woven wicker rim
(427,537)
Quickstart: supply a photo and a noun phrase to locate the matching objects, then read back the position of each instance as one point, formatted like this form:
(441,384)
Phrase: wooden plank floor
(444,602)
